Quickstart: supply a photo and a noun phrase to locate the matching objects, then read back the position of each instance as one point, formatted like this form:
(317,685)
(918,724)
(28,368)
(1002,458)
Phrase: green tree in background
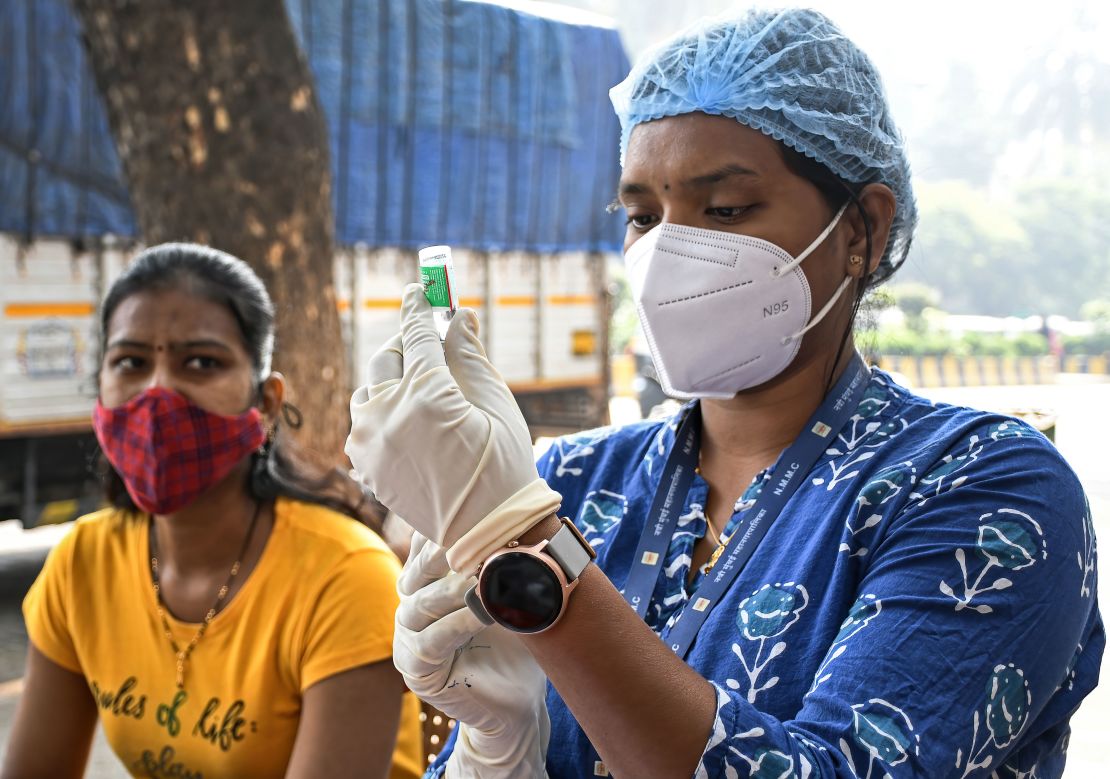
(975,254)
(1066,223)
(1098,312)
(913,299)
(971,154)
(1046,250)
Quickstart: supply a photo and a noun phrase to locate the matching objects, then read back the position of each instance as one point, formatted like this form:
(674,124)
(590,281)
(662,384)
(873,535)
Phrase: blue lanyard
(674,486)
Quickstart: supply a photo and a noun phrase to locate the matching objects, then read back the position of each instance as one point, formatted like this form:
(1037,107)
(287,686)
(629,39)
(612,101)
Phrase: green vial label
(434,278)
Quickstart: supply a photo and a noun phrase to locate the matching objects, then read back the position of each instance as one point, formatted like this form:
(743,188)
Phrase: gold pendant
(713,559)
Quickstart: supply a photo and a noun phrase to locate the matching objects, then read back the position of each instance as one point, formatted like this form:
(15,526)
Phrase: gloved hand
(438,437)
(481,676)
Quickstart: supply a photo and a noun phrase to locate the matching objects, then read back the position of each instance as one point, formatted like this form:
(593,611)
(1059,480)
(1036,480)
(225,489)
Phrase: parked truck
(482,126)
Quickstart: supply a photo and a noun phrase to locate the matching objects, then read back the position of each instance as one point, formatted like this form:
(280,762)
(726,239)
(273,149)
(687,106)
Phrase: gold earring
(855,259)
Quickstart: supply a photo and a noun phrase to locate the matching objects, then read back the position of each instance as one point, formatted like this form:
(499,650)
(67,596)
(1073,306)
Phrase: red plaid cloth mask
(169,451)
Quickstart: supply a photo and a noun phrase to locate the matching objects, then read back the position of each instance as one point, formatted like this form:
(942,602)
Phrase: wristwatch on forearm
(525,588)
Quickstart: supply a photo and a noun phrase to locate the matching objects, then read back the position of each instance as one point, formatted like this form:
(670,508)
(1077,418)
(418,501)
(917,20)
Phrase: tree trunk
(223,142)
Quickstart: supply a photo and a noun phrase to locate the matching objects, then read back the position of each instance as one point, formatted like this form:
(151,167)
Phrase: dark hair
(836,192)
(279,468)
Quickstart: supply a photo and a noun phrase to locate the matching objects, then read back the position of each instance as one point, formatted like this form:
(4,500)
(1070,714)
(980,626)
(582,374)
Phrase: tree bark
(214,113)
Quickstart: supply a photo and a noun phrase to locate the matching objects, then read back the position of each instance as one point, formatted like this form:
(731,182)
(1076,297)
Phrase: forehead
(173,314)
(677,146)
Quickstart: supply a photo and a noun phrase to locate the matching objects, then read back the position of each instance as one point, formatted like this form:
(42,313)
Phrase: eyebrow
(703,180)
(719,175)
(203,343)
(631,188)
(125,343)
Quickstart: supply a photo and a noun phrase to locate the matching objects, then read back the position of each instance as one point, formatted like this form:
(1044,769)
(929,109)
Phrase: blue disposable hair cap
(792,75)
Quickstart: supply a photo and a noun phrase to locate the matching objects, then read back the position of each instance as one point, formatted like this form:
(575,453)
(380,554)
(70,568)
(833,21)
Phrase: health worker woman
(227,616)
(809,571)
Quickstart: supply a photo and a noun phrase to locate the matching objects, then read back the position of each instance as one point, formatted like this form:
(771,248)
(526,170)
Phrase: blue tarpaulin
(450,121)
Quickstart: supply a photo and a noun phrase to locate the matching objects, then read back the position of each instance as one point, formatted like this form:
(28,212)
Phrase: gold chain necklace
(183,654)
(709,526)
(720,542)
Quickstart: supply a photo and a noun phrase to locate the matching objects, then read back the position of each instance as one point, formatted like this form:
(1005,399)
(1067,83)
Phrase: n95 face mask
(721,312)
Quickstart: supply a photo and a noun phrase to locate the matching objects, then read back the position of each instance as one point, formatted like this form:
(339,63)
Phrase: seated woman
(223,618)
(808,571)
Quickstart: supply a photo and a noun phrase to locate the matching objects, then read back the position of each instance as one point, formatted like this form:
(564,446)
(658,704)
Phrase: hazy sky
(900,35)
(912,43)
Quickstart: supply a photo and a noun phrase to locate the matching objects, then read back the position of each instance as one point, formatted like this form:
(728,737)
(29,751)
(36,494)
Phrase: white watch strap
(565,547)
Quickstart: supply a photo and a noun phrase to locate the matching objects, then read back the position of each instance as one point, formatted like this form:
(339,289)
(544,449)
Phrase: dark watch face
(521,593)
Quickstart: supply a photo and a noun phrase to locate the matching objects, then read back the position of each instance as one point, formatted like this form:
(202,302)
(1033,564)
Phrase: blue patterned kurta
(924,606)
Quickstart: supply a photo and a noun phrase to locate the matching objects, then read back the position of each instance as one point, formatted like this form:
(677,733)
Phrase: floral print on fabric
(923,606)
(1009,540)
(767,613)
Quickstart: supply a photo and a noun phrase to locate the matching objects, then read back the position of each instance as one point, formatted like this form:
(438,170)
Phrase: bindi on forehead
(666,186)
(129,341)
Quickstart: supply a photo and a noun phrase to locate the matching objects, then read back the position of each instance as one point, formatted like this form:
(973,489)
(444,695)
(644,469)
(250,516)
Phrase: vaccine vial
(437,274)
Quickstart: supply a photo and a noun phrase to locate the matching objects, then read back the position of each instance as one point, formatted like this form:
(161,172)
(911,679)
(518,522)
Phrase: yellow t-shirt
(320,601)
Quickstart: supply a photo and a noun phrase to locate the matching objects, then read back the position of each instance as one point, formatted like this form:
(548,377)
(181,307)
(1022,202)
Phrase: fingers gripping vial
(443,406)
(437,274)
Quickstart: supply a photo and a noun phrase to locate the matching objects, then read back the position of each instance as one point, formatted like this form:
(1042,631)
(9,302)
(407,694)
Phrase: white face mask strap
(825,309)
(816,242)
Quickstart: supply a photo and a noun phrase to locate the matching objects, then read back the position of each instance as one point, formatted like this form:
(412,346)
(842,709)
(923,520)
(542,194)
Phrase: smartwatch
(525,588)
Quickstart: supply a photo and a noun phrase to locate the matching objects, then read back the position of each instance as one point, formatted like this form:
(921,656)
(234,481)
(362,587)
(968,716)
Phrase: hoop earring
(292,415)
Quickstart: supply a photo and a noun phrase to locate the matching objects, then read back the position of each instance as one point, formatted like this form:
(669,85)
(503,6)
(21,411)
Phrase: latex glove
(438,437)
(481,676)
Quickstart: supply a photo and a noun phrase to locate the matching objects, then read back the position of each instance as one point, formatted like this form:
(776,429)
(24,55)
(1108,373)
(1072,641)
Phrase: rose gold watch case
(536,551)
